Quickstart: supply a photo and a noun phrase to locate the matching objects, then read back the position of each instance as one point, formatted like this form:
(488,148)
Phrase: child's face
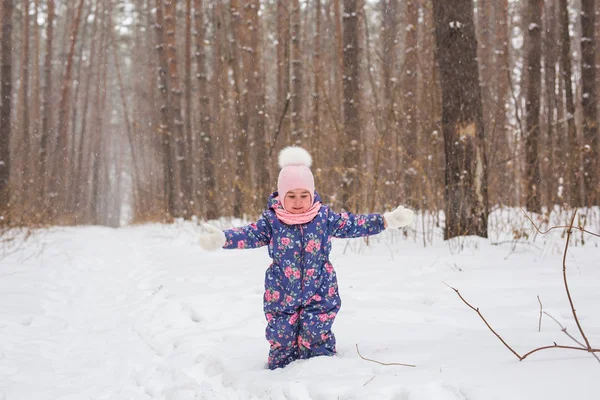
(297,201)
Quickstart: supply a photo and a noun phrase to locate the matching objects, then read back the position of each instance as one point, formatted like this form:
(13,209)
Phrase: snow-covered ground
(142,312)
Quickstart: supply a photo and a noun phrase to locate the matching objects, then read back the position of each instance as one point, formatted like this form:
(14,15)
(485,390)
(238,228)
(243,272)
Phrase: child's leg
(317,316)
(282,333)
(315,337)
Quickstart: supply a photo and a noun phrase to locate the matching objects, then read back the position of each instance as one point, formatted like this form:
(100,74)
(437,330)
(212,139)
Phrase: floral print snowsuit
(301,296)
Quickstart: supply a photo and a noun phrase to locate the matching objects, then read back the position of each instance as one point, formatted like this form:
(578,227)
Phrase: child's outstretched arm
(348,225)
(249,236)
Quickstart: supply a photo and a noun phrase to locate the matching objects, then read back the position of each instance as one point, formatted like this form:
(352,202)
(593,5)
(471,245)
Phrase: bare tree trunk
(96,132)
(501,121)
(46,110)
(391,129)
(35,97)
(339,57)
(75,107)
(240,180)
(208,180)
(317,83)
(389,45)
(283,62)
(430,115)
(79,167)
(462,119)
(297,100)
(352,104)
(224,124)
(551,176)
(410,140)
(164,130)
(590,112)
(5,106)
(256,89)
(152,144)
(59,180)
(183,189)
(572,157)
(189,155)
(532,108)
(24,108)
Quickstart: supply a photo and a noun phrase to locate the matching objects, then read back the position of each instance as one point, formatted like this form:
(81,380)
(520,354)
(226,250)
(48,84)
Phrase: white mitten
(399,217)
(212,239)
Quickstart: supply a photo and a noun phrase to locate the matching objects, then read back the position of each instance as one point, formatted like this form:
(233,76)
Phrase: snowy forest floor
(141,312)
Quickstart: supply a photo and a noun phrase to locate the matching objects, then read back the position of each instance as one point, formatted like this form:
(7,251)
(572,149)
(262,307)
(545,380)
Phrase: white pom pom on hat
(295,171)
(293,155)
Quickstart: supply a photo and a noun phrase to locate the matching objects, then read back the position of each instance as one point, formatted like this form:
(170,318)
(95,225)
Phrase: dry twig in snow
(382,363)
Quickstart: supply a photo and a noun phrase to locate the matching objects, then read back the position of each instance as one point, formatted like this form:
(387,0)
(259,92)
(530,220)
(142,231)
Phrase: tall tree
(352,103)
(551,176)
(532,107)
(183,186)
(36,89)
(24,107)
(190,158)
(257,107)
(97,134)
(207,176)
(224,124)
(297,99)
(240,179)
(590,119)
(283,61)
(339,70)
(390,33)
(317,83)
(466,206)
(79,167)
(572,175)
(164,130)
(5,105)
(46,104)
(59,179)
(410,137)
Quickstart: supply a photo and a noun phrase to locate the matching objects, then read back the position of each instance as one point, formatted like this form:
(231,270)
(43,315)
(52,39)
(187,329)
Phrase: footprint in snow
(193,313)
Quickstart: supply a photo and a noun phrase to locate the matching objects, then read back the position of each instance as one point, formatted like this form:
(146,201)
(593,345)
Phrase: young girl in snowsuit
(301,296)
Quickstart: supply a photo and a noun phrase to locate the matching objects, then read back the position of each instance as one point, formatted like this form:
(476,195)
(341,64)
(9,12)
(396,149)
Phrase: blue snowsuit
(301,296)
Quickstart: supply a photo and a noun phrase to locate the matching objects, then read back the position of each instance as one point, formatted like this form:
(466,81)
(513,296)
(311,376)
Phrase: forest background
(118,111)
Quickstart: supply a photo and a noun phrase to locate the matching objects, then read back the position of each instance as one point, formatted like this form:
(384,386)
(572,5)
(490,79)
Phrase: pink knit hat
(295,172)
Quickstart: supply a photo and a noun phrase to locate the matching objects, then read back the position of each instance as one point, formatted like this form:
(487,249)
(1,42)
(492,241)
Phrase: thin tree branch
(564,329)
(556,346)
(569,232)
(485,321)
(557,227)
(381,363)
(541,310)
(365,384)
(283,112)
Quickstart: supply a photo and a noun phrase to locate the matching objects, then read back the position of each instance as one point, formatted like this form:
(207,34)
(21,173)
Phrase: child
(301,296)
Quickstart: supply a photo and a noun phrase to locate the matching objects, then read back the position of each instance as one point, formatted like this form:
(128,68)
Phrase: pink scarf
(297,219)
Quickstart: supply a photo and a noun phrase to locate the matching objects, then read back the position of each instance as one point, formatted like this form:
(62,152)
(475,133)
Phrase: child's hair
(295,171)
